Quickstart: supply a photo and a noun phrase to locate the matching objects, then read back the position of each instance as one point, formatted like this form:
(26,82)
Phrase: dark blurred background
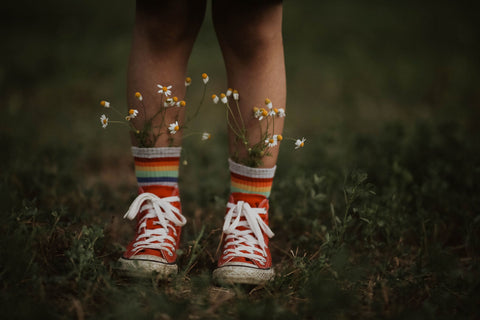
(350,65)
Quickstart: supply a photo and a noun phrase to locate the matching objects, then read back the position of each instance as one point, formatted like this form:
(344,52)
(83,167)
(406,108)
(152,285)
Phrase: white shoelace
(247,240)
(167,215)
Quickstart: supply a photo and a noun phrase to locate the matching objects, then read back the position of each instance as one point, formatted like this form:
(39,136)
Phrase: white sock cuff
(251,172)
(161,152)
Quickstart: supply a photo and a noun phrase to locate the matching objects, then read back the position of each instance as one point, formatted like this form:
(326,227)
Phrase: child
(249,33)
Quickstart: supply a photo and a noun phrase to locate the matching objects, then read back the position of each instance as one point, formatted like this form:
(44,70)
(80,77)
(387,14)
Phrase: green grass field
(377,217)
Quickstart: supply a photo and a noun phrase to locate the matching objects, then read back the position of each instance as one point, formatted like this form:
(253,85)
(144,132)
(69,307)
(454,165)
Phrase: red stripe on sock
(249,179)
(147,160)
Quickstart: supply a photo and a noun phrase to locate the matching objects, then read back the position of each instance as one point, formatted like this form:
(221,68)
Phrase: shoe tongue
(160,191)
(253,200)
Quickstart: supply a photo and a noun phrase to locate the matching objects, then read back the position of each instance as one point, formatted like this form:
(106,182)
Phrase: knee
(250,32)
(169,23)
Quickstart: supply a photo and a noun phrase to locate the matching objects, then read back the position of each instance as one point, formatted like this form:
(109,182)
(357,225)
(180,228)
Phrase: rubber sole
(233,274)
(143,268)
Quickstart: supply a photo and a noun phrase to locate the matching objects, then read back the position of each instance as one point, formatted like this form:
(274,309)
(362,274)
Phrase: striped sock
(156,166)
(250,180)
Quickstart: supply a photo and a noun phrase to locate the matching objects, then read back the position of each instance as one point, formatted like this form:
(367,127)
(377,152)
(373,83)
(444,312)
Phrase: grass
(377,217)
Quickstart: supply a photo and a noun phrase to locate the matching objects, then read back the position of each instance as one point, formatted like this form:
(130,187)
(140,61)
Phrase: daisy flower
(132,113)
(188,81)
(105,104)
(205,78)
(173,127)
(164,90)
(138,95)
(271,142)
(104,121)
(215,98)
(223,98)
(256,112)
(229,92)
(262,113)
(235,95)
(181,103)
(268,103)
(280,112)
(168,102)
(175,102)
(299,143)
(206,136)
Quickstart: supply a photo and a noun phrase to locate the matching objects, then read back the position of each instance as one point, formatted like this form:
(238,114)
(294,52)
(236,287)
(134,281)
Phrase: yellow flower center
(267,101)
(235,91)
(176,128)
(275,110)
(264,112)
(255,109)
(137,94)
(105,121)
(102,103)
(165,89)
(301,145)
(188,79)
(131,111)
(279,137)
(214,96)
(270,140)
(230,89)
(175,99)
(222,95)
(183,103)
(204,76)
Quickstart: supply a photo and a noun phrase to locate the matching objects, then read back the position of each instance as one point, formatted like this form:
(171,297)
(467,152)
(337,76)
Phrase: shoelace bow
(167,215)
(245,240)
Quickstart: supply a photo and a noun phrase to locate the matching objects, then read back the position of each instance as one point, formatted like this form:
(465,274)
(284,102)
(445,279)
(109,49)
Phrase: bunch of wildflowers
(256,150)
(155,126)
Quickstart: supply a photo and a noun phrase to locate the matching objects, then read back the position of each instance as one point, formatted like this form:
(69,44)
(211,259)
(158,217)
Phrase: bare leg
(163,38)
(250,36)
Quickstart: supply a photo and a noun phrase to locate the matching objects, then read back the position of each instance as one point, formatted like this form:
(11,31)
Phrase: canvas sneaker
(245,255)
(159,222)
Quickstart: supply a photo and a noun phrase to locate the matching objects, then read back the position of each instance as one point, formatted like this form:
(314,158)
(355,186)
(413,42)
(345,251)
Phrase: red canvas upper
(255,201)
(162,192)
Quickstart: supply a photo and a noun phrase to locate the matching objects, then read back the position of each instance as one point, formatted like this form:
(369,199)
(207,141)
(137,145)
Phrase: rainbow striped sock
(250,180)
(156,166)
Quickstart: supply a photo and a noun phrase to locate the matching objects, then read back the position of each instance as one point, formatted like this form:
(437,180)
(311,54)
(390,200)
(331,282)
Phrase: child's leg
(163,38)
(250,36)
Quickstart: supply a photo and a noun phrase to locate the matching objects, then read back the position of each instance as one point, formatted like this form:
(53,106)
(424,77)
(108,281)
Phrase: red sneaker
(245,257)
(159,222)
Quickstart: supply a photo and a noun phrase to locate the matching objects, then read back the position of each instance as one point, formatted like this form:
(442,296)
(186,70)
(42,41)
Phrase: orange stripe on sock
(251,183)
(156,168)
(256,189)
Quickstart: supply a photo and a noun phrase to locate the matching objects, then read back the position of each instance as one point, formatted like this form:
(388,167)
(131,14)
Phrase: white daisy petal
(173,127)
(104,121)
